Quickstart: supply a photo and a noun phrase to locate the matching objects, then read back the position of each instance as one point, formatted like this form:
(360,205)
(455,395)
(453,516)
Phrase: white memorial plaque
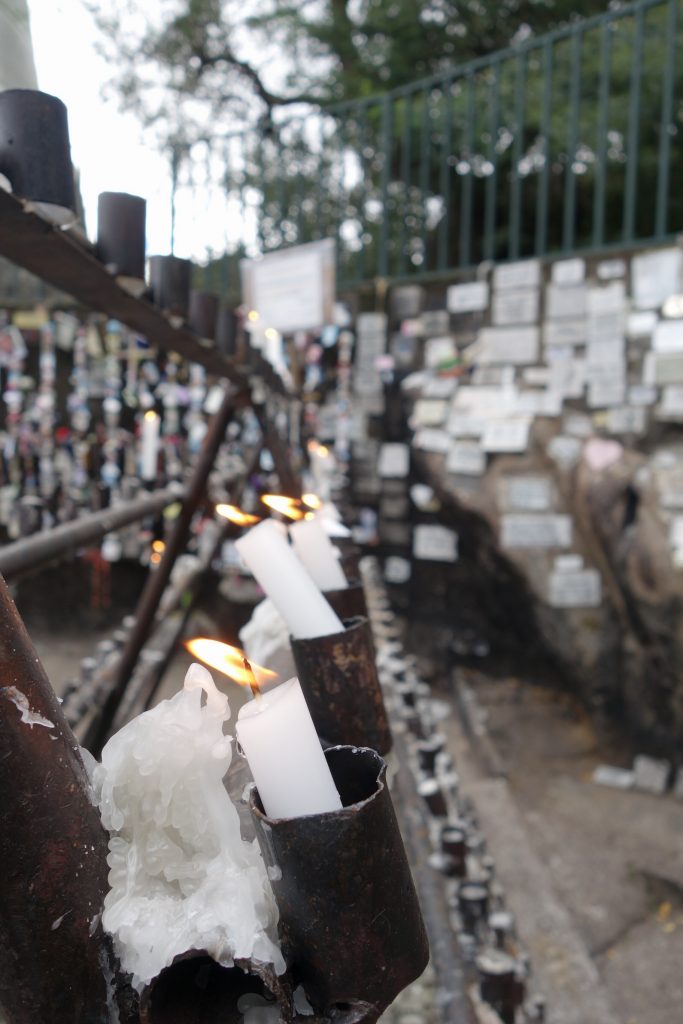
(435,321)
(394,461)
(609,298)
(492,376)
(605,326)
(506,436)
(606,391)
(462,424)
(608,270)
(439,387)
(565,301)
(292,289)
(397,570)
(671,405)
(564,332)
(565,450)
(625,419)
(606,350)
(514,345)
(568,377)
(524,274)
(412,328)
(665,369)
(466,459)
(536,376)
(565,272)
(642,394)
(670,487)
(668,336)
(439,350)
(468,298)
(429,412)
(434,543)
(568,563)
(371,323)
(529,530)
(430,440)
(641,325)
(526,493)
(654,277)
(515,307)
(579,589)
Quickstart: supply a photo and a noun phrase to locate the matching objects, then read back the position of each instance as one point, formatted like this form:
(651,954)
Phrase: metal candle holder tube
(169,279)
(348,602)
(54,956)
(338,676)
(197,990)
(350,921)
(203,313)
(226,331)
(498,983)
(121,233)
(350,557)
(34,147)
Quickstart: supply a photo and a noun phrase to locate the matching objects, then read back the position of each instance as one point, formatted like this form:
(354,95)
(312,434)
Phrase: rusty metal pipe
(56,966)
(148,605)
(63,540)
(350,921)
(338,676)
(348,602)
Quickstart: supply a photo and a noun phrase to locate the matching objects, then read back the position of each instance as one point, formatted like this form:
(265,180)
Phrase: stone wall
(540,406)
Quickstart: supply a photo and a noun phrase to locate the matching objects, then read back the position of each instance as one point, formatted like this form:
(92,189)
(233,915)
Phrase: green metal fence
(563,143)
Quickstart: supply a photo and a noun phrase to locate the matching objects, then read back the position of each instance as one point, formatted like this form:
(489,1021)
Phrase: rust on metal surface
(338,676)
(55,962)
(350,921)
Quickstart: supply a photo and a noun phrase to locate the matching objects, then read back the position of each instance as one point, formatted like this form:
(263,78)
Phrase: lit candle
(149,445)
(317,553)
(284,579)
(277,735)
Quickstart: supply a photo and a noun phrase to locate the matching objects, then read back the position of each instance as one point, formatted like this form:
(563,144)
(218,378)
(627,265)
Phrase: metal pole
(156,583)
(63,540)
(55,962)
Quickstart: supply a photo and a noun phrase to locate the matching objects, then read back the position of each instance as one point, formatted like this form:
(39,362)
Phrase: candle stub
(286,760)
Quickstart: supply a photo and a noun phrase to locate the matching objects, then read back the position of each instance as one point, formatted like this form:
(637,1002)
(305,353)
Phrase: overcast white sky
(106,145)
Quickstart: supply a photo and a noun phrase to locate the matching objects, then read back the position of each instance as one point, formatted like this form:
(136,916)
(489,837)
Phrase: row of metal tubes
(388,139)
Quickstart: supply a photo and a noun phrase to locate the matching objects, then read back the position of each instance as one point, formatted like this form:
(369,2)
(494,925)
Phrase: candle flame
(323,451)
(158,546)
(236,515)
(312,500)
(150,415)
(252,315)
(281,503)
(230,661)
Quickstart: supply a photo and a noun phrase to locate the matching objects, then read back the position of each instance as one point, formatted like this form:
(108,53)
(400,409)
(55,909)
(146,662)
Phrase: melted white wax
(181,876)
(20,701)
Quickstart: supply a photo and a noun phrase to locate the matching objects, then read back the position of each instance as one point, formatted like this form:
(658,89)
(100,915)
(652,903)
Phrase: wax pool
(181,876)
(278,737)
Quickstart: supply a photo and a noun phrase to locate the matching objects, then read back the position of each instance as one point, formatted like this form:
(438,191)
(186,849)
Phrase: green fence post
(666,120)
(601,140)
(568,226)
(383,253)
(465,253)
(491,181)
(544,176)
(629,217)
(517,147)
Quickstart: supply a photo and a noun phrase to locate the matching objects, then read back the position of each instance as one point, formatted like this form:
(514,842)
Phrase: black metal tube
(348,602)
(338,676)
(148,604)
(35,153)
(55,962)
(40,548)
(121,233)
(350,920)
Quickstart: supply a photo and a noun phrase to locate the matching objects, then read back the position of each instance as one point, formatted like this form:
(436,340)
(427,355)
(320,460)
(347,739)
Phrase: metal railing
(560,144)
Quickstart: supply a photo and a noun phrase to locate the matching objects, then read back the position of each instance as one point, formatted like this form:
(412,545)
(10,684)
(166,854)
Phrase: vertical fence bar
(425,138)
(492,179)
(629,217)
(568,227)
(383,251)
(516,156)
(341,203)
(601,141)
(666,120)
(262,192)
(541,242)
(363,186)
(301,187)
(318,226)
(281,200)
(445,175)
(465,253)
(406,169)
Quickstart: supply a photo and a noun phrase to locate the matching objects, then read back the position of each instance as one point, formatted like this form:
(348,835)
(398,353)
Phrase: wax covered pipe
(53,954)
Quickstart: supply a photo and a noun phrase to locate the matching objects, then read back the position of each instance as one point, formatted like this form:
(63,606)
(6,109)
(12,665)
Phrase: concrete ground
(593,874)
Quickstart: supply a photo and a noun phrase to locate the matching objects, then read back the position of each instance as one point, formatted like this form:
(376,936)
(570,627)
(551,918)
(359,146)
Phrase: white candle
(149,445)
(285,581)
(317,553)
(278,737)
